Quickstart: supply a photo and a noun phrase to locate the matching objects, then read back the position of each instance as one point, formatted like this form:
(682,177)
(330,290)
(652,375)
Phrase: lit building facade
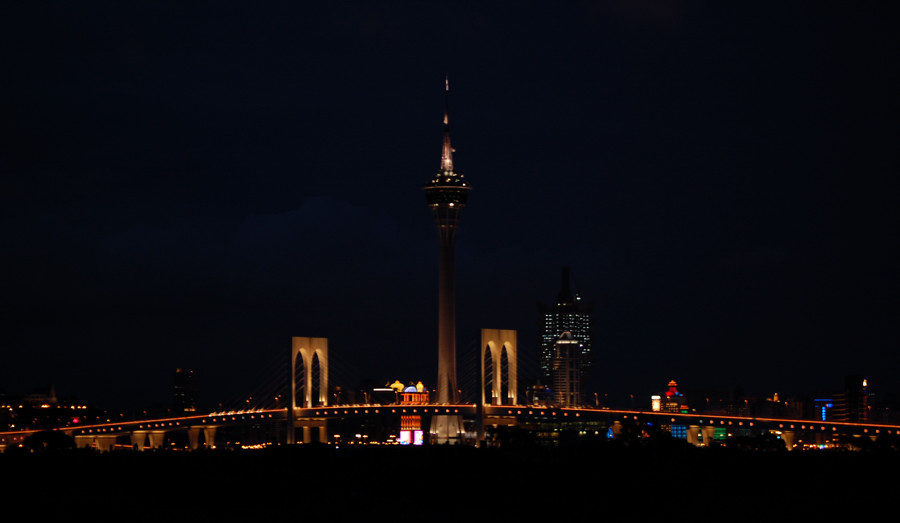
(671,401)
(570,314)
(566,371)
(822,408)
(852,403)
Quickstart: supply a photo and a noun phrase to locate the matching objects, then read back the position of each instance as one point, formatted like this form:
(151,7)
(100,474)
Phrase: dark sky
(191,184)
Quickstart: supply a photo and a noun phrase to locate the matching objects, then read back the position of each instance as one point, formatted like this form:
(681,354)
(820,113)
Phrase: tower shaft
(446,195)
(447,391)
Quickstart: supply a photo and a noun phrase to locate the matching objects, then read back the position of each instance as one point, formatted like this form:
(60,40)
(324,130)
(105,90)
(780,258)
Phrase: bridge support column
(447,430)
(819,437)
(616,428)
(788,437)
(693,435)
(709,433)
(209,434)
(84,440)
(157,437)
(194,437)
(320,431)
(138,437)
(320,426)
(105,443)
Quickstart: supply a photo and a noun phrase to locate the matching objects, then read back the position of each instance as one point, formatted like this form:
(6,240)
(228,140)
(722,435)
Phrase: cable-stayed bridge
(295,404)
(200,431)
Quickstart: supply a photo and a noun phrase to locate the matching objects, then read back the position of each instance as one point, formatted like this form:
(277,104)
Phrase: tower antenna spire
(447,151)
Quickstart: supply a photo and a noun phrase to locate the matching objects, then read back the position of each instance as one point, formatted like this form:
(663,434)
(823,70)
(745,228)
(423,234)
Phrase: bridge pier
(209,436)
(157,438)
(194,437)
(319,427)
(693,435)
(139,437)
(320,431)
(709,433)
(788,437)
(82,441)
(616,428)
(447,430)
(103,443)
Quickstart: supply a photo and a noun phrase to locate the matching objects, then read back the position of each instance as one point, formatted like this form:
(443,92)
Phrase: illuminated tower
(446,195)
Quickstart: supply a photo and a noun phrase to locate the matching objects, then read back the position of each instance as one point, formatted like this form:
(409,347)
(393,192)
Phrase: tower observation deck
(446,195)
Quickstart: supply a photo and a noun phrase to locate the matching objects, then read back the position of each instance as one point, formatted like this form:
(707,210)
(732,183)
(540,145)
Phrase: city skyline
(190,189)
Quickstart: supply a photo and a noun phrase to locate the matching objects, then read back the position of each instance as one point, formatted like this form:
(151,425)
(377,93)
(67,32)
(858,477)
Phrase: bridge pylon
(309,351)
(494,344)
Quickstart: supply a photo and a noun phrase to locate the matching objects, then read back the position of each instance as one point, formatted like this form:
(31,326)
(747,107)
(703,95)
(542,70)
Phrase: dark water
(673,482)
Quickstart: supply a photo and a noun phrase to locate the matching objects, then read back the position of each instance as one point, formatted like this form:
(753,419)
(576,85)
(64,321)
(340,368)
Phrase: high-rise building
(185,394)
(446,195)
(852,403)
(569,314)
(566,371)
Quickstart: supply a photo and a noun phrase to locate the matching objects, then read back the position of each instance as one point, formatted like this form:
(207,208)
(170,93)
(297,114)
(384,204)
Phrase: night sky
(191,184)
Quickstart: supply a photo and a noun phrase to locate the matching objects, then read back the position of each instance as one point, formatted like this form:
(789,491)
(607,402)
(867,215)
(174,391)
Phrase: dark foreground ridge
(670,480)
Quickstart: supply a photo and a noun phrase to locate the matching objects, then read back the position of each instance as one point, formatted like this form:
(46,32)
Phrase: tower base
(447,430)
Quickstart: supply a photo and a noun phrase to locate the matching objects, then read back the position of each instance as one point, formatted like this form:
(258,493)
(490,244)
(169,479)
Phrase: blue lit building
(822,409)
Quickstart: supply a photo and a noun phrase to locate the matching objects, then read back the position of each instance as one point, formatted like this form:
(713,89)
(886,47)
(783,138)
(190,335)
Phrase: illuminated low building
(415,395)
(671,401)
(411,432)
